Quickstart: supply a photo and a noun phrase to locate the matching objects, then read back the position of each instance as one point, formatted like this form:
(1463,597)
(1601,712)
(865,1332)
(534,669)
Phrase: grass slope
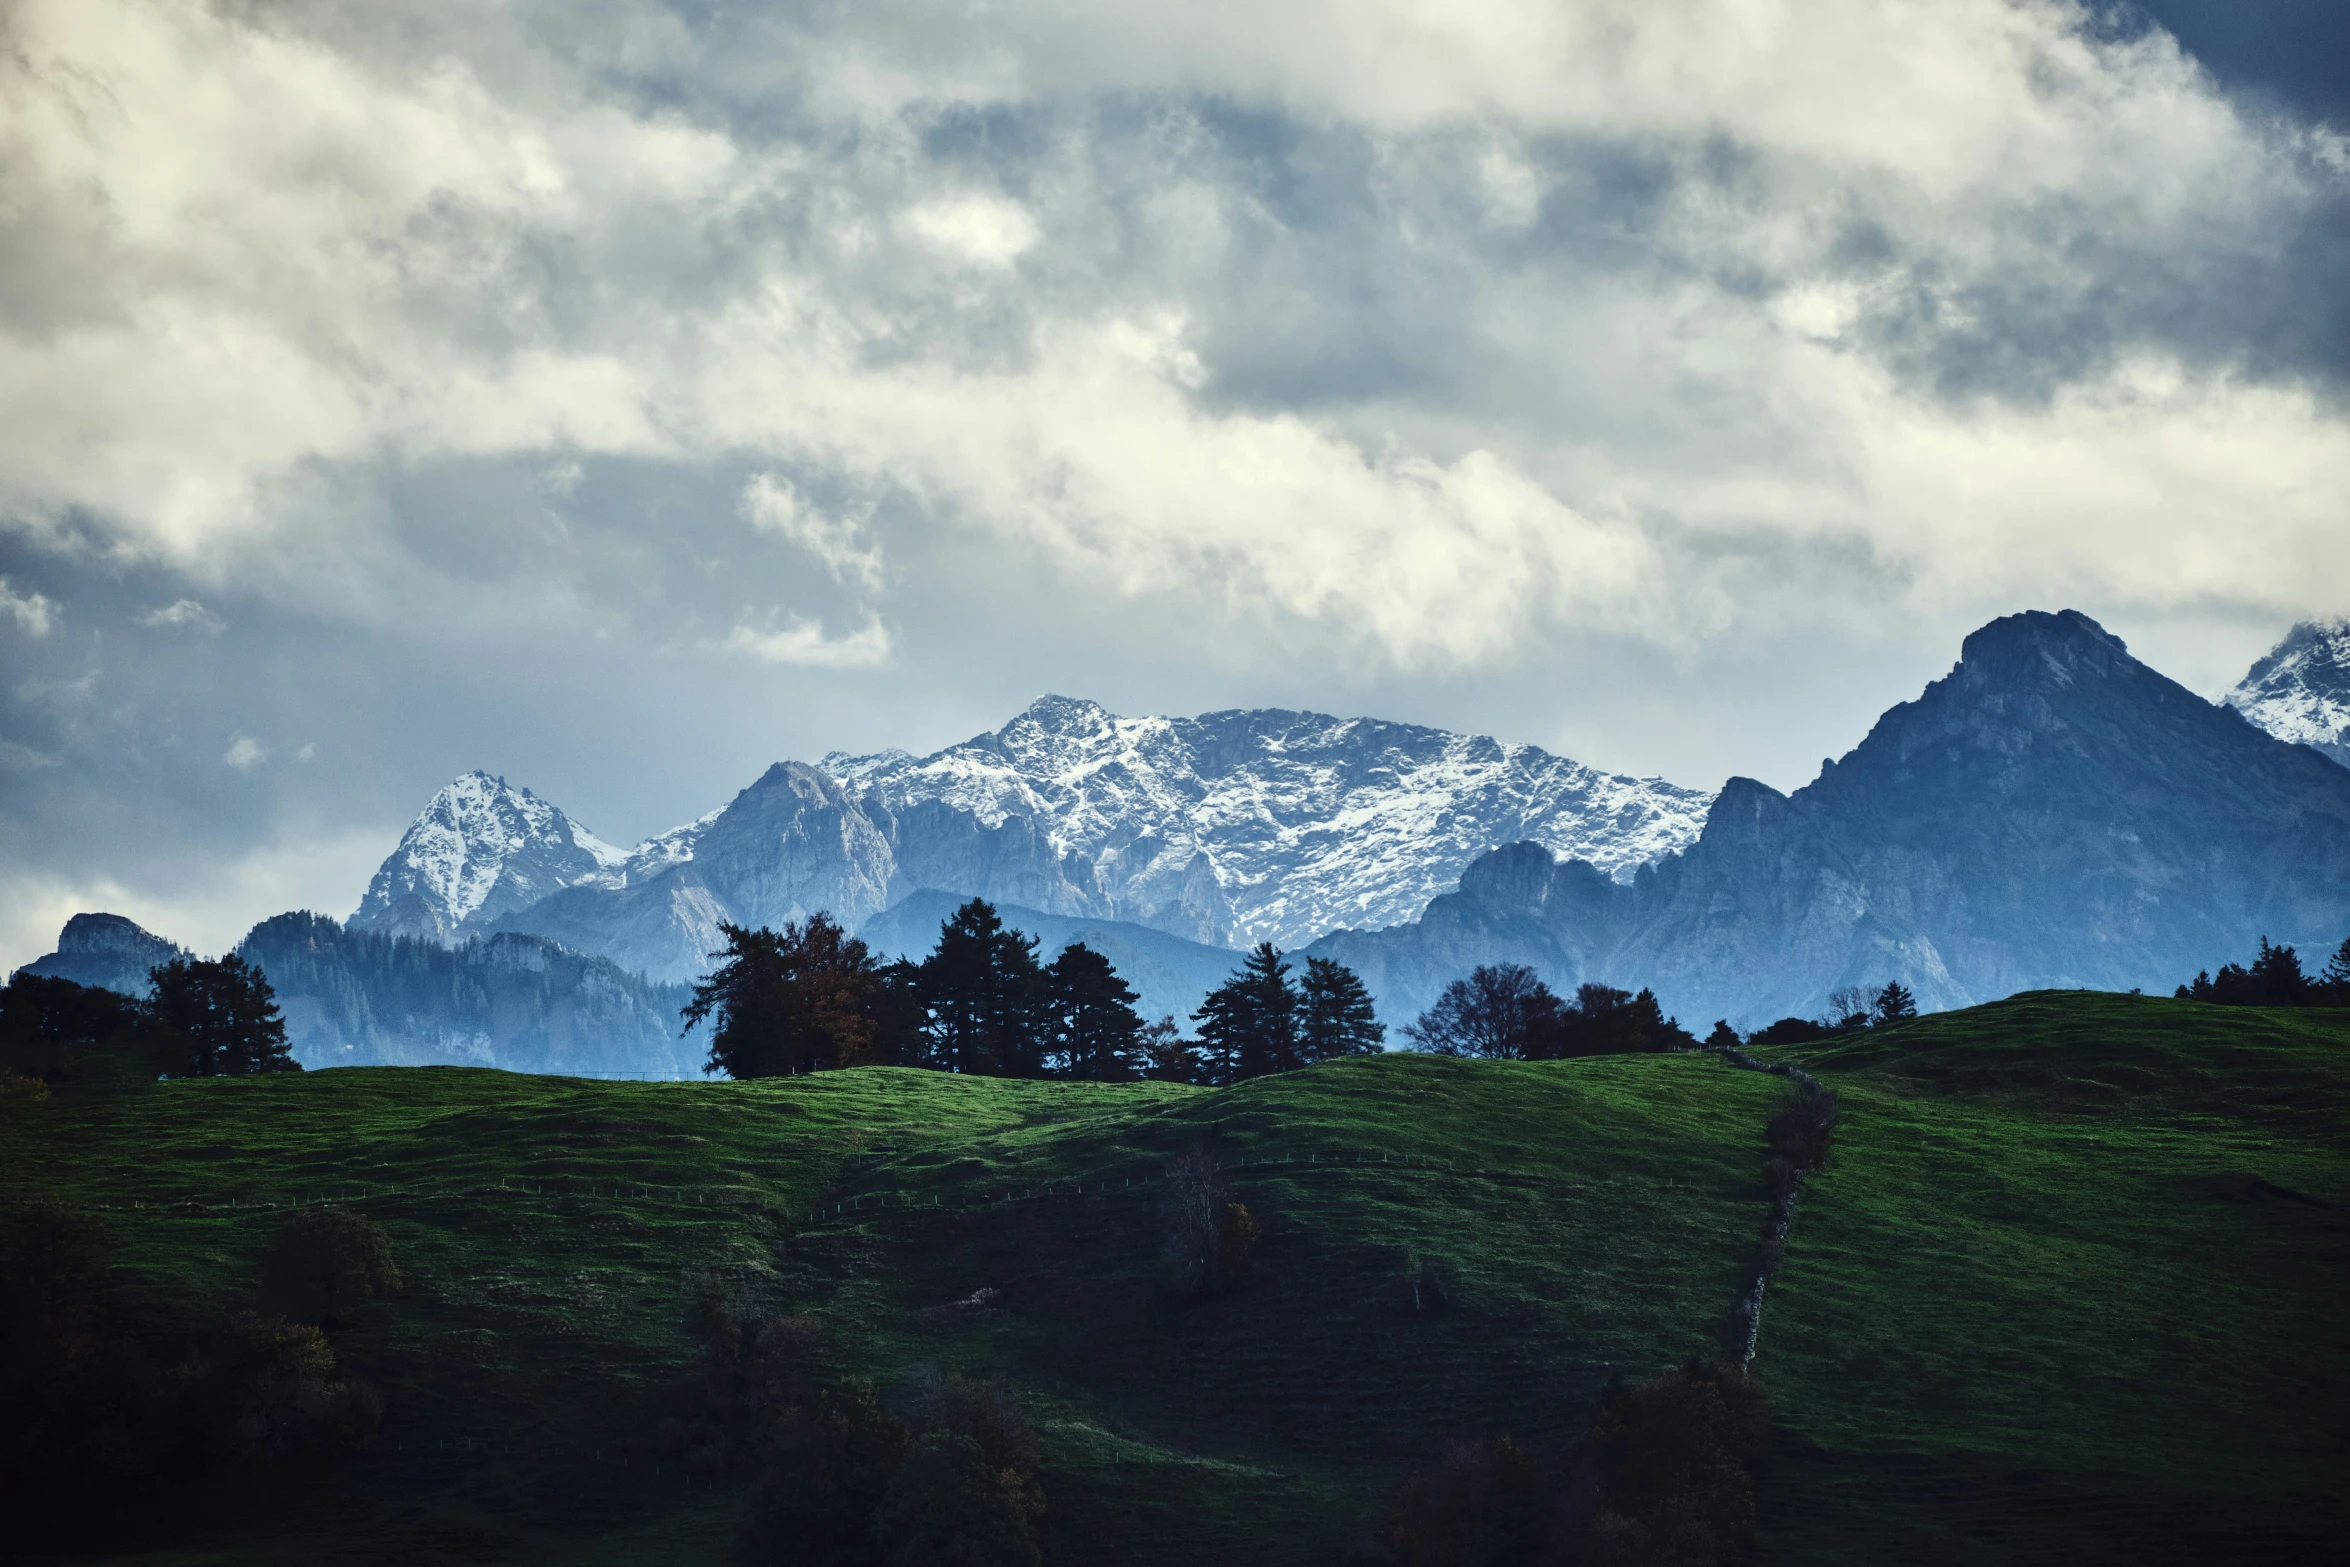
(2071,1288)
(1594,1216)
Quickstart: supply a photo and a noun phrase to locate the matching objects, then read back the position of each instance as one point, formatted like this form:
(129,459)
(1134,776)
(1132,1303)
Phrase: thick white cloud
(1863,301)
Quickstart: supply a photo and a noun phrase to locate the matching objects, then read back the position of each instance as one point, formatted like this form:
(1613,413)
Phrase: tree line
(810,997)
(202,1018)
(2274,978)
(1504,1011)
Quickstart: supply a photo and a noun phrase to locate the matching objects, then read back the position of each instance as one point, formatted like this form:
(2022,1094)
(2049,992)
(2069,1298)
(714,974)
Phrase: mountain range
(1225,830)
(2053,812)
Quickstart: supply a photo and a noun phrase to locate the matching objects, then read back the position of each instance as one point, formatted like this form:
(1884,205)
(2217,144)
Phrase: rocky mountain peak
(2300,690)
(108,951)
(480,849)
(2036,649)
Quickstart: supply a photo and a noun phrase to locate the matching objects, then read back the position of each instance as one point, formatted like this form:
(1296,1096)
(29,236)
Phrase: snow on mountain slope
(2300,692)
(1244,826)
(482,848)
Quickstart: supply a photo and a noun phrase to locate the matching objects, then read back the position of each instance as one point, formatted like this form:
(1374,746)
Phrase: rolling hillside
(2068,1289)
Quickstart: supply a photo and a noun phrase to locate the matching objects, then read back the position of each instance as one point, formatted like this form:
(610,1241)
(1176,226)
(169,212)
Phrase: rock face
(481,849)
(2052,813)
(107,951)
(1224,830)
(2301,691)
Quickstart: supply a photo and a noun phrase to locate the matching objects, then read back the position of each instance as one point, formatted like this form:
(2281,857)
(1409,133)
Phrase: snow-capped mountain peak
(482,848)
(2300,692)
(1261,824)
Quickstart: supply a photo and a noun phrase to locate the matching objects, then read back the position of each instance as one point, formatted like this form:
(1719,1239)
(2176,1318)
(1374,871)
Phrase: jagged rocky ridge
(2053,813)
(1223,830)
(2300,692)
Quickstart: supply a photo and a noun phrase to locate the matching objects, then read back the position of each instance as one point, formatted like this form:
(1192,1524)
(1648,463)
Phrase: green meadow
(2071,1287)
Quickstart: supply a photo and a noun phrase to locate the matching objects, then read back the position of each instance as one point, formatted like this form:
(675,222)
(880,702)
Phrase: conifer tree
(1894,1004)
(985,996)
(226,1013)
(1096,1032)
(1336,1017)
(2337,975)
(1248,1025)
(803,999)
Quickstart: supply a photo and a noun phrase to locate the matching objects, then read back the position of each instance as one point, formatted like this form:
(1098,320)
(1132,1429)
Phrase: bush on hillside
(1665,1472)
(1663,1475)
(266,1391)
(325,1264)
(1485,1503)
(946,1506)
(1210,1239)
(1802,1128)
(829,1466)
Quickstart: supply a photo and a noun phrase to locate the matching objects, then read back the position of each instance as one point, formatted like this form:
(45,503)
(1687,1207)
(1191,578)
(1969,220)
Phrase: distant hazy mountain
(2052,813)
(1224,829)
(2301,691)
(523,1003)
(107,951)
(359,998)
(1171,975)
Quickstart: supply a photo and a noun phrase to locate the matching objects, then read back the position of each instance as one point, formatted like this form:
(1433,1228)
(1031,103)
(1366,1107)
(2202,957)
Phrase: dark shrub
(1486,1503)
(1803,1127)
(267,1391)
(1663,1474)
(829,1466)
(1211,1239)
(325,1264)
(947,1507)
(989,1414)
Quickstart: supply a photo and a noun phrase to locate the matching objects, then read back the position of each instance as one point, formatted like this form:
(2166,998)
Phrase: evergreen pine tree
(227,1014)
(1894,1004)
(803,999)
(1336,1014)
(985,996)
(1096,1031)
(2277,980)
(1248,1024)
(2337,976)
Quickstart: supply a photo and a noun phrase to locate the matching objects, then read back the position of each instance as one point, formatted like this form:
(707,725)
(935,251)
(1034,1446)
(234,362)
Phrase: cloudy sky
(622,395)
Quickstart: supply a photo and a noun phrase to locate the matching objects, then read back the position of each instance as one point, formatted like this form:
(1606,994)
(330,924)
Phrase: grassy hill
(2070,1288)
